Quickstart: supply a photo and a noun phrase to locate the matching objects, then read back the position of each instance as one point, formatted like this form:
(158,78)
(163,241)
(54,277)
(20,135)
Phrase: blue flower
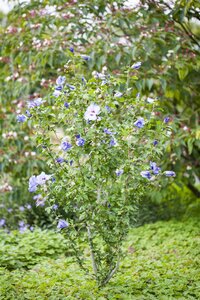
(55,207)
(2,222)
(83,80)
(28,114)
(21,118)
(113,142)
(21,223)
(22,226)
(40,201)
(34,181)
(145,174)
(38,101)
(71,87)
(58,88)
(138,95)
(85,57)
(60,160)
(22,229)
(21,208)
(65,146)
(33,184)
(34,103)
(154,168)
(139,123)
(71,49)
(155,142)
(71,162)
(136,66)
(62,224)
(104,82)
(80,142)
(107,131)
(28,206)
(42,178)
(166,120)
(60,80)
(56,93)
(66,105)
(108,108)
(170,173)
(9,210)
(118,94)
(92,112)
(119,172)
(98,75)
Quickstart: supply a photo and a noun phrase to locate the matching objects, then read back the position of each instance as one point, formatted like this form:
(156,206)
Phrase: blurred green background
(37,40)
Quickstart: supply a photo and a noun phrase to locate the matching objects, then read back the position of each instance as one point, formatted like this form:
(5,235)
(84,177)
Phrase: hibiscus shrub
(103,144)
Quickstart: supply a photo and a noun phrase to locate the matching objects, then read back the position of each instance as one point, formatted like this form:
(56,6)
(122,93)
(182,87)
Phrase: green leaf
(183,72)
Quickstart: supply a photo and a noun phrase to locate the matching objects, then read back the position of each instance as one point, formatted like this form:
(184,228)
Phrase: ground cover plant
(162,262)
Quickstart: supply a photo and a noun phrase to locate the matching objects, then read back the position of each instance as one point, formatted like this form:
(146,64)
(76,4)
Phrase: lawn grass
(162,262)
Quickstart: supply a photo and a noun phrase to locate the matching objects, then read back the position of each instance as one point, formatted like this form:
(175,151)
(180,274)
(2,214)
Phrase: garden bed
(162,262)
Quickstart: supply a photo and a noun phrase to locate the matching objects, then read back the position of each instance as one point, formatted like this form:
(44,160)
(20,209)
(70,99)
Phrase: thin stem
(110,275)
(94,266)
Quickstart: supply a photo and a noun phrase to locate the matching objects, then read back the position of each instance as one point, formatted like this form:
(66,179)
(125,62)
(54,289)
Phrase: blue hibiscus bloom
(108,108)
(2,222)
(83,80)
(33,184)
(62,224)
(28,114)
(71,87)
(58,88)
(85,57)
(55,207)
(154,168)
(170,173)
(21,118)
(166,120)
(66,105)
(80,142)
(65,146)
(60,80)
(60,160)
(113,143)
(119,172)
(107,131)
(155,142)
(139,123)
(145,174)
(136,66)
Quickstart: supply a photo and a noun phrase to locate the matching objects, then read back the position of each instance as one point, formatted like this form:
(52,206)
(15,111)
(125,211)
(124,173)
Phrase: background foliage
(36,45)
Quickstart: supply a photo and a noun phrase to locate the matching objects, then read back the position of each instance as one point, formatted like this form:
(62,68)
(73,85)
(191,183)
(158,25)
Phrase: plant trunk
(110,275)
(94,266)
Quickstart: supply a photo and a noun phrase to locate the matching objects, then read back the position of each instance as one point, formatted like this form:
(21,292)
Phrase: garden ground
(162,262)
